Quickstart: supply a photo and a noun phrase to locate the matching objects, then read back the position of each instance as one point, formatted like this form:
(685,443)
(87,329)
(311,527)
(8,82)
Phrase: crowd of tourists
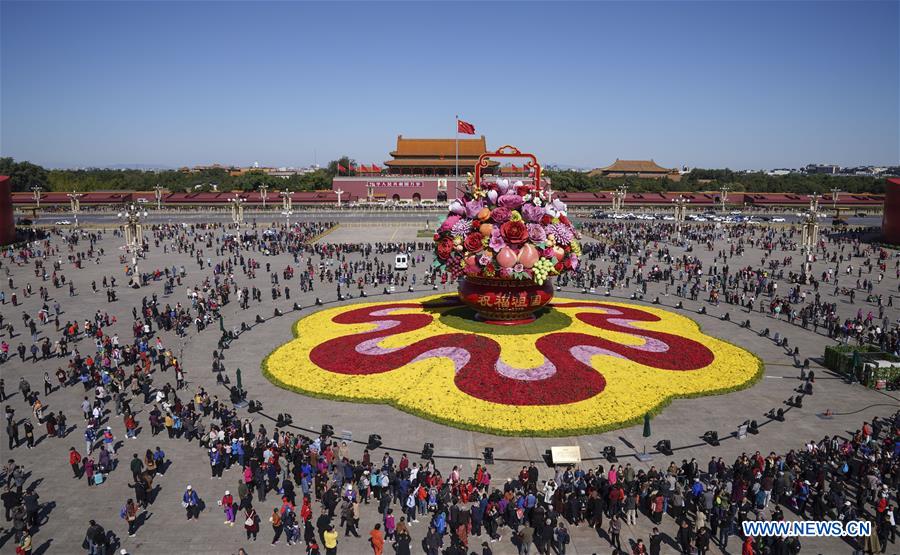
(310,490)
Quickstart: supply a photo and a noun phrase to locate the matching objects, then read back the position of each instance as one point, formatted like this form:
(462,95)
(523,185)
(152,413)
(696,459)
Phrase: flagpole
(456,184)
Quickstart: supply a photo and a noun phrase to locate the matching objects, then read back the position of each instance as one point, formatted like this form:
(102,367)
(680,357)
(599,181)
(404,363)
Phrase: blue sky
(737,84)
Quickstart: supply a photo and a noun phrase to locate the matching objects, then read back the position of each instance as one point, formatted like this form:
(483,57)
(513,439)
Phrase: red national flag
(514,168)
(465,127)
(342,169)
(375,168)
(363,168)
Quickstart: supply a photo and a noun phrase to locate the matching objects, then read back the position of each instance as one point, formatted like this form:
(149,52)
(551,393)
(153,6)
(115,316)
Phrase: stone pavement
(70,503)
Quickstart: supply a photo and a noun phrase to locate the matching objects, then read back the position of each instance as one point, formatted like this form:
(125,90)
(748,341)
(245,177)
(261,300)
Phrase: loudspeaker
(374,442)
(284,419)
(664,446)
(610,453)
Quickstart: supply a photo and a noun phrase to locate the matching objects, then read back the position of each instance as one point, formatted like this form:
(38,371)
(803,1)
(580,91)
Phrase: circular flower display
(583,367)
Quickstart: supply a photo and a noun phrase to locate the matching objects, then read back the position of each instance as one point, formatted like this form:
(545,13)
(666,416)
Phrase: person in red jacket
(75,462)
(130,426)
(376,540)
(747,548)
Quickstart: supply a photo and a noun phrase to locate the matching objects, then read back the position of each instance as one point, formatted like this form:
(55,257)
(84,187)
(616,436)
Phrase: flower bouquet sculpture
(506,240)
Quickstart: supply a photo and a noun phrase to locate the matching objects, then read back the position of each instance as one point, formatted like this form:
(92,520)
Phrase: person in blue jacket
(191,503)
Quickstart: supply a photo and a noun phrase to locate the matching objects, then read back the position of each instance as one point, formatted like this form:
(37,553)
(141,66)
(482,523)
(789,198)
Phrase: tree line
(711,180)
(25,175)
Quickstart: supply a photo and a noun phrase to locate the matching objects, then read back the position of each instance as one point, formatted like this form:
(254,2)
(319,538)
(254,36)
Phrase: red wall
(890,223)
(402,186)
(7,223)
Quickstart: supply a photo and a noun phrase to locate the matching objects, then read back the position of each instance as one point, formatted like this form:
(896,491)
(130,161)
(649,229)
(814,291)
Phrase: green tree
(345,161)
(23,175)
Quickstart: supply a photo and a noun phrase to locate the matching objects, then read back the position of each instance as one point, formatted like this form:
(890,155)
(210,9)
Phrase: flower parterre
(542,400)
(506,230)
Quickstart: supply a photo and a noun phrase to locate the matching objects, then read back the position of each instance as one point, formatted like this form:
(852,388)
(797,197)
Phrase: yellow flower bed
(430,386)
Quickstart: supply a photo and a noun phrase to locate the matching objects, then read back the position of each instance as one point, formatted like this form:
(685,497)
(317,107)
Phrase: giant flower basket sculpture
(506,240)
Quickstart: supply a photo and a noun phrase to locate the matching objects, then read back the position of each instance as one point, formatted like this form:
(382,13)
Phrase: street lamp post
(809,237)
(134,236)
(158,194)
(237,210)
(37,194)
(680,203)
(834,200)
(264,194)
(339,192)
(285,200)
(618,197)
(814,203)
(75,204)
(287,217)
(724,196)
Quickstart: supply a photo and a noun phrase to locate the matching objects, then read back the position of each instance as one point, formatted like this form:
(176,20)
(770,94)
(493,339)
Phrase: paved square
(68,504)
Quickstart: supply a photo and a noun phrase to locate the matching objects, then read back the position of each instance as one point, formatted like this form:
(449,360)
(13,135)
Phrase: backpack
(123,511)
(276,519)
